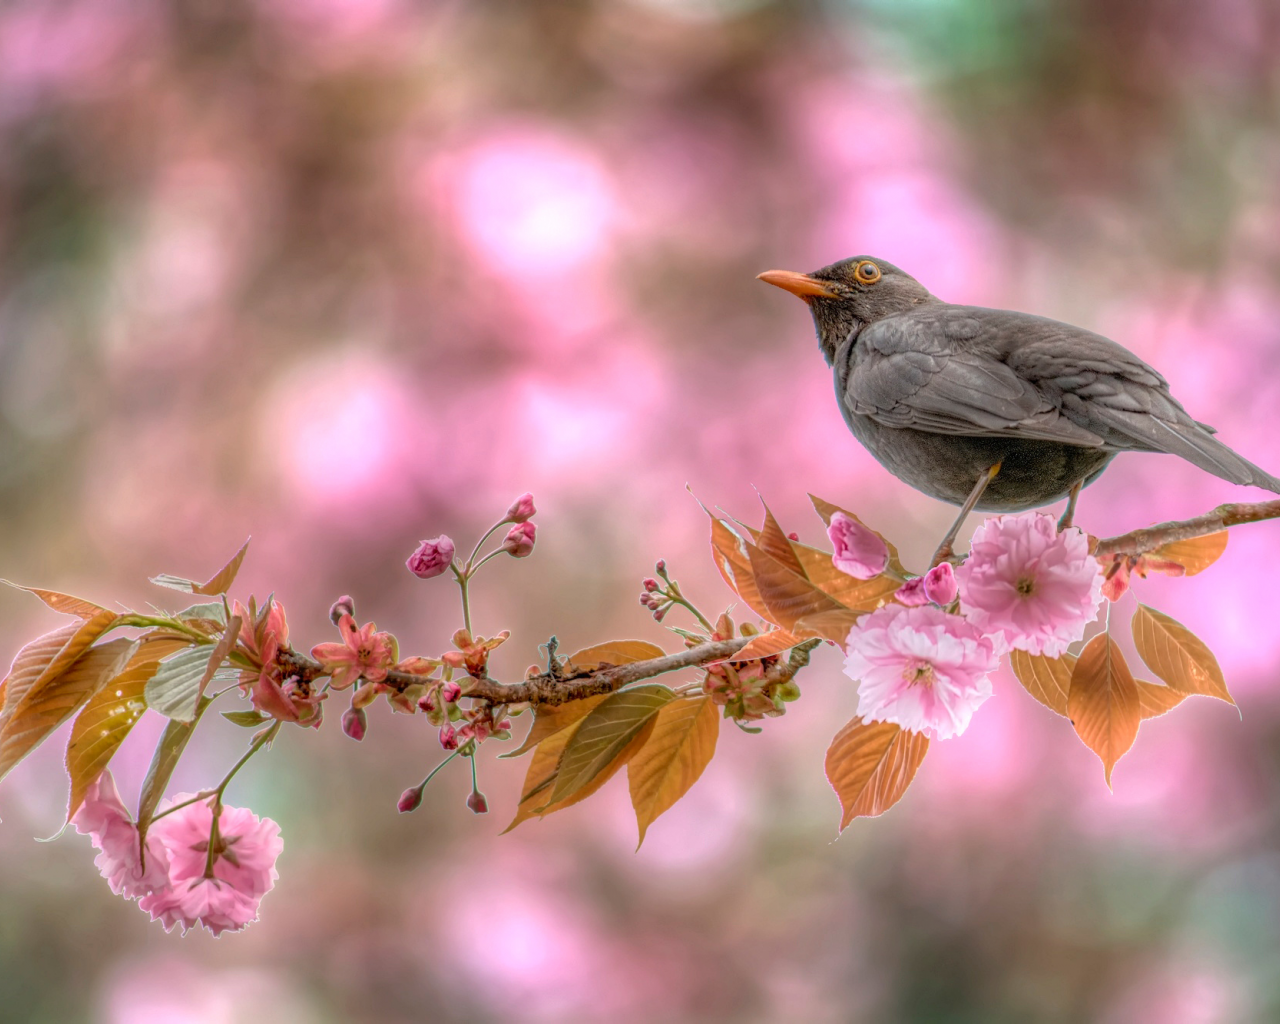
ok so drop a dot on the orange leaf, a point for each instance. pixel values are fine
(1194, 555)
(614, 652)
(549, 720)
(1154, 699)
(776, 544)
(38, 671)
(48, 705)
(788, 597)
(108, 717)
(734, 563)
(871, 764)
(64, 603)
(1177, 655)
(606, 731)
(679, 748)
(1103, 702)
(1047, 679)
(219, 584)
(774, 642)
(832, 625)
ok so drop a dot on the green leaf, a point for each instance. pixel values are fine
(175, 688)
(219, 584)
(604, 733)
(168, 751)
(214, 611)
(246, 719)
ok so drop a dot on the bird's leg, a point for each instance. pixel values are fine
(945, 552)
(1070, 513)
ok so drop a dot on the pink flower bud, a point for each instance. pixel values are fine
(519, 540)
(858, 551)
(410, 799)
(343, 606)
(660, 566)
(477, 803)
(427, 702)
(431, 558)
(448, 738)
(912, 593)
(644, 600)
(504, 725)
(522, 509)
(650, 584)
(450, 692)
(354, 723)
(940, 584)
(793, 536)
(660, 613)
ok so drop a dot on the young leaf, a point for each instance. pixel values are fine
(604, 733)
(220, 583)
(870, 765)
(777, 545)
(1103, 701)
(109, 715)
(47, 706)
(730, 555)
(773, 642)
(212, 611)
(788, 596)
(36, 672)
(246, 719)
(1194, 555)
(1177, 655)
(64, 603)
(174, 689)
(1154, 699)
(1047, 679)
(550, 719)
(833, 625)
(681, 745)
(173, 741)
(614, 652)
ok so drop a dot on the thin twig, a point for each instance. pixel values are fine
(1138, 542)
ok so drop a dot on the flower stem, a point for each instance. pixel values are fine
(432, 774)
(470, 566)
(463, 578)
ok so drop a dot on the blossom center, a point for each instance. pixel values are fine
(1026, 586)
(918, 672)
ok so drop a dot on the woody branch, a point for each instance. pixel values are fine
(1139, 542)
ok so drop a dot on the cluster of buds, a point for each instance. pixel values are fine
(661, 593)
(1120, 568)
(744, 688)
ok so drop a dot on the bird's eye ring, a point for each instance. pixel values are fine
(867, 272)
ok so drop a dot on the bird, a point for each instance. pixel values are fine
(990, 409)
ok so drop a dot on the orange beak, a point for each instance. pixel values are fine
(798, 284)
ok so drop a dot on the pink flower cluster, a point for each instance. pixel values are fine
(1024, 580)
(193, 873)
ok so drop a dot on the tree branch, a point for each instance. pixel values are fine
(1139, 542)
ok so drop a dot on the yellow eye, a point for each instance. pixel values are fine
(867, 272)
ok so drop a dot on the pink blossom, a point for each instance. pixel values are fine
(921, 668)
(363, 652)
(521, 509)
(937, 585)
(1025, 580)
(477, 803)
(105, 820)
(355, 723)
(431, 558)
(519, 540)
(410, 799)
(858, 551)
(244, 853)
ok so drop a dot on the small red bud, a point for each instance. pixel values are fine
(427, 702)
(355, 723)
(660, 614)
(343, 606)
(650, 584)
(793, 536)
(410, 799)
(521, 509)
(477, 802)
(504, 725)
(660, 566)
(450, 692)
(519, 540)
(448, 738)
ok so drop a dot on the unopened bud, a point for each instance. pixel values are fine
(660, 614)
(448, 738)
(450, 692)
(519, 540)
(477, 802)
(660, 567)
(410, 799)
(521, 509)
(793, 536)
(431, 558)
(354, 723)
(343, 606)
(427, 702)
(650, 584)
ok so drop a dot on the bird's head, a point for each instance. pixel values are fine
(848, 295)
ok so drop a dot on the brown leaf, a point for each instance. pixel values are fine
(1047, 679)
(64, 603)
(47, 705)
(36, 672)
(871, 764)
(1154, 699)
(1177, 655)
(604, 733)
(549, 720)
(219, 584)
(1194, 555)
(731, 558)
(861, 595)
(833, 625)
(1103, 701)
(773, 642)
(681, 745)
(787, 596)
(776, 544)
(614, 652)
(109, 715)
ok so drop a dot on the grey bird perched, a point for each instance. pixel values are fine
(988, 408)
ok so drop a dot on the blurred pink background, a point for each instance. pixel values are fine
(344, 274)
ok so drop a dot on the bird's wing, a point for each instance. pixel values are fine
(932, 370)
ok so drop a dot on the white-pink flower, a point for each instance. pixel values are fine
(1037, 587)
(103, 817)
(243, 867)
(857, 550)
(921, 668)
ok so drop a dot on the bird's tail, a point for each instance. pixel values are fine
(1190, 441)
